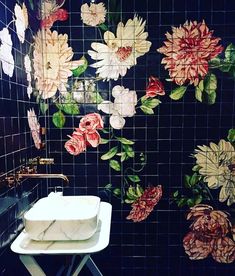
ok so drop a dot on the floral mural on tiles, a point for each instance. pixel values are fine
(192, 57)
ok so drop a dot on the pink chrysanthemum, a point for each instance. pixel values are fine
(144, 205)
(188, 50)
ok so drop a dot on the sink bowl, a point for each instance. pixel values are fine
(58, 218)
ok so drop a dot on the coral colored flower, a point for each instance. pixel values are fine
(21, 21)
(34, 128)
(86, 134)
(93, 15)
(195, 248)
(120, 52)
(208, 223)
(91, 122)
(52, 62)
(188, 50)
(144, 205)
(154, 88)
(58, 15)
(224, 250)
(76, 144)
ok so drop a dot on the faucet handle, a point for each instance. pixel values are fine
(41, 161)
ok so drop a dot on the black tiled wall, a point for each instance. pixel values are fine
(16, 145)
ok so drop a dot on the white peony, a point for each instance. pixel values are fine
(123, 106)
(21, 21)
(6, 56)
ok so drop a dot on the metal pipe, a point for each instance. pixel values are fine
(42, 175)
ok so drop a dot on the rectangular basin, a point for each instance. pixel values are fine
(60, 218)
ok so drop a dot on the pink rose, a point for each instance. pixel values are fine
(92, 138)
(91, 122)
(154, 88)
(76, 144)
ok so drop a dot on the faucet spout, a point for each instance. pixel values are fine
(43, 175)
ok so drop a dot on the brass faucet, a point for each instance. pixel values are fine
(32, 173)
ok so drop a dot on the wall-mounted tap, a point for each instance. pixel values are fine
(42, 175)
(31, 172)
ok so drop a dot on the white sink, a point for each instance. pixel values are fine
(58, 218)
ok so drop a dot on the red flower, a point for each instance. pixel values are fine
(144, 205)
(188, 50)
(60, 14)
(76, 144)
(224, 250)
(154, 88)
(195, 248)
(209, 223)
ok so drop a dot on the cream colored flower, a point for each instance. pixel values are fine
(93, 15)
(48, 7)
(52, 62)
(28, 69)
(121, 51)
(34, 128)
(123, 106)
(6, 56)
(217, 165)
(21, 21)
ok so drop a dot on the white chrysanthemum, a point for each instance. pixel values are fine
(121, 52)
(21, 21)
(34, 128)
(94, 14)
(217, 165)
(123, 106)
(6, 56)
(52, 62)
(28, 69)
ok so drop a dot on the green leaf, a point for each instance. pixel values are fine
(230, 53)
(117, 191)
(139, 190)
(187, 181)
(104, 130)
(103, 27)
(124, 156)
(131, 193)
(31, 4)
(178, 93)
(146, 109)
(210, 83)
(104, 141)
(69, 105)
(225, 66)
(198, 199)
(80, 69)
(129, 150)
(176, 193)
(134, 178)
(211, 98)
(196, 168)
(44, 107)
(181, 202)
(108, 186)
(231, 135)
(199, 90)
(150, 103)
(190, 202)
(110, 153)
(58, 119)
(194, 179)
(114, 164)
(215, 62)
(129, 201)
(125, 141)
